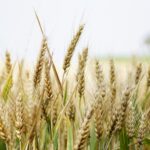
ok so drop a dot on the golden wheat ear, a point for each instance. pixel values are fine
(98, 73)
(122, 109)
(84, 131)
(98, 115)
(54, 114)
(142, 130)
(81, 73)
(3, 131)
(49, 96)
(112, 78)
(112, 72)
(79, 67)
(19, 117)
(71, 48)
(111, 124)
(72, 111)
(8, 64)
(130, 121)
(48, 84)
(138, 73)
(39, 65)
(100, 78)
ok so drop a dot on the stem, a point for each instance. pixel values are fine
(109, 142)
(36, 142)
(27, 146)
(7, 146)
(20, 145)
(97, 145)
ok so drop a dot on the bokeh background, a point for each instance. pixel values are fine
(118, 28)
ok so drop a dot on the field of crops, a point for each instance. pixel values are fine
(97, 105)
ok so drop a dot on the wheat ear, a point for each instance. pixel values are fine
(71, 48)
(39, 65)
(84, 131)
(81, 74)
(138, 73)
(8, 64)
(19, 117)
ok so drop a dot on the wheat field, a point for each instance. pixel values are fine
(97, 105)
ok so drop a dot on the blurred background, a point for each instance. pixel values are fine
(113, 28)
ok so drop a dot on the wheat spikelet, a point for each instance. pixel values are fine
(32, 115)
(31, 108)
(112, 72)
(112, 83)
(35, 116)
(112, 101)
(39, 65)
(71, 48)
(111, 124)
(81, 75)
(19, 117)
(98, 116)
(12, 110)
(138, 73)
(48, 85)
(48, 90)
(72, 112)
(100, 78)
(80, 66)
(3, 132)
(122, 109)
(85, 55)
(113, 94)
(142, 129)
(84, 131)
(44, 112)
(130, 121)
(81, 83)
(9, 126)
(8, 64)
(63, 135)
(99, 73)
(54, 114)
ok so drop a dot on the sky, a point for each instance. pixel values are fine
(112, 27)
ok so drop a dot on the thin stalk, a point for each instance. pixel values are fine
(109, 143)
(97, 144)
(20, 145)
(36, 142)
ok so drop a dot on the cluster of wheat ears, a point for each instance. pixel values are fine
(43, 111)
